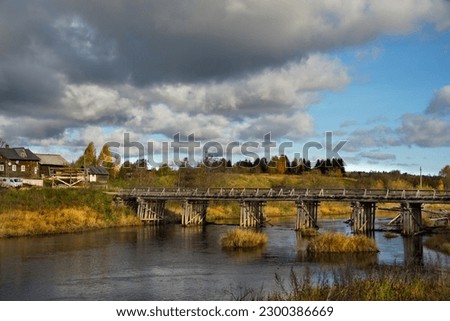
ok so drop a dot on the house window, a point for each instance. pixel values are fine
(35, 170)
(2, 167)
(22, 168)
(14, 168)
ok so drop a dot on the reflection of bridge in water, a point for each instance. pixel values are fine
(149, 204)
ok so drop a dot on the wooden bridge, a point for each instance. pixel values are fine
(149, 204)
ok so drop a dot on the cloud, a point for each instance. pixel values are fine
(440, 105)
(424, 131)
(294, 85)
(221, 69)
(371, 53)
(377, 156)
(377, 136)
(147, 42)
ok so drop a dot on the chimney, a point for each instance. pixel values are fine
(6, 146)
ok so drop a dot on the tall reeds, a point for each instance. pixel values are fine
(379, 283)
(243, 238)
(340, 243)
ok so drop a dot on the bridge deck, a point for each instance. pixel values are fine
(283, 194)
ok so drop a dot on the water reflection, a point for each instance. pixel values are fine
(413, 249)
(244, 256)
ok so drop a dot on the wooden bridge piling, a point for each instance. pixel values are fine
(307, 212)
(363, 217)
(194, 212)
(151, 210)
(252, 213)
(411, 217)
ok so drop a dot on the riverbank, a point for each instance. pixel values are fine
(42, 211)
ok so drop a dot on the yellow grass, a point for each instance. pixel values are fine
(28, 223)
(243, 238)
(340, 243)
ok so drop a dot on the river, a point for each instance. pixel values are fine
(170, 262)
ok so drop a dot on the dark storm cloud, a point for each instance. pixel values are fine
(192, 40)
(216, 65)
(148, 42)
(27, 87)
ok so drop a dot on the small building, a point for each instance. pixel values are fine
(98, 175)
(19, 162)
(50, 163)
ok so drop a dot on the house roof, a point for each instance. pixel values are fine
(19, 153)
(97, 170)
(52, 160)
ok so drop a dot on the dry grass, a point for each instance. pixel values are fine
(243, 238)
(66, 220)
(334, 210)
(38, 211)
(379, 283)
(340, 243)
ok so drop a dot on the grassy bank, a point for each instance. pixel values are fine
(41, 211)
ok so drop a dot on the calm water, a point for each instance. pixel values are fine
(168, 263)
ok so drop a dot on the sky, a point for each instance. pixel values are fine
(374, 75)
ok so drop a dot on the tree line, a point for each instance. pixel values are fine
(185, 171)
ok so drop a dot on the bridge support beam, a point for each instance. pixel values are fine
(252, 214)
(151, 210)
(411, 214)
(306, 215)
(194, 212)
(363, 217)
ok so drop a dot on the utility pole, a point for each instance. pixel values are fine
(420, 182)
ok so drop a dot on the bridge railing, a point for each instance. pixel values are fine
(288, 193)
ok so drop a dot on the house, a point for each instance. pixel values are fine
(49, 163)
(98, 174)
(19, 162)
